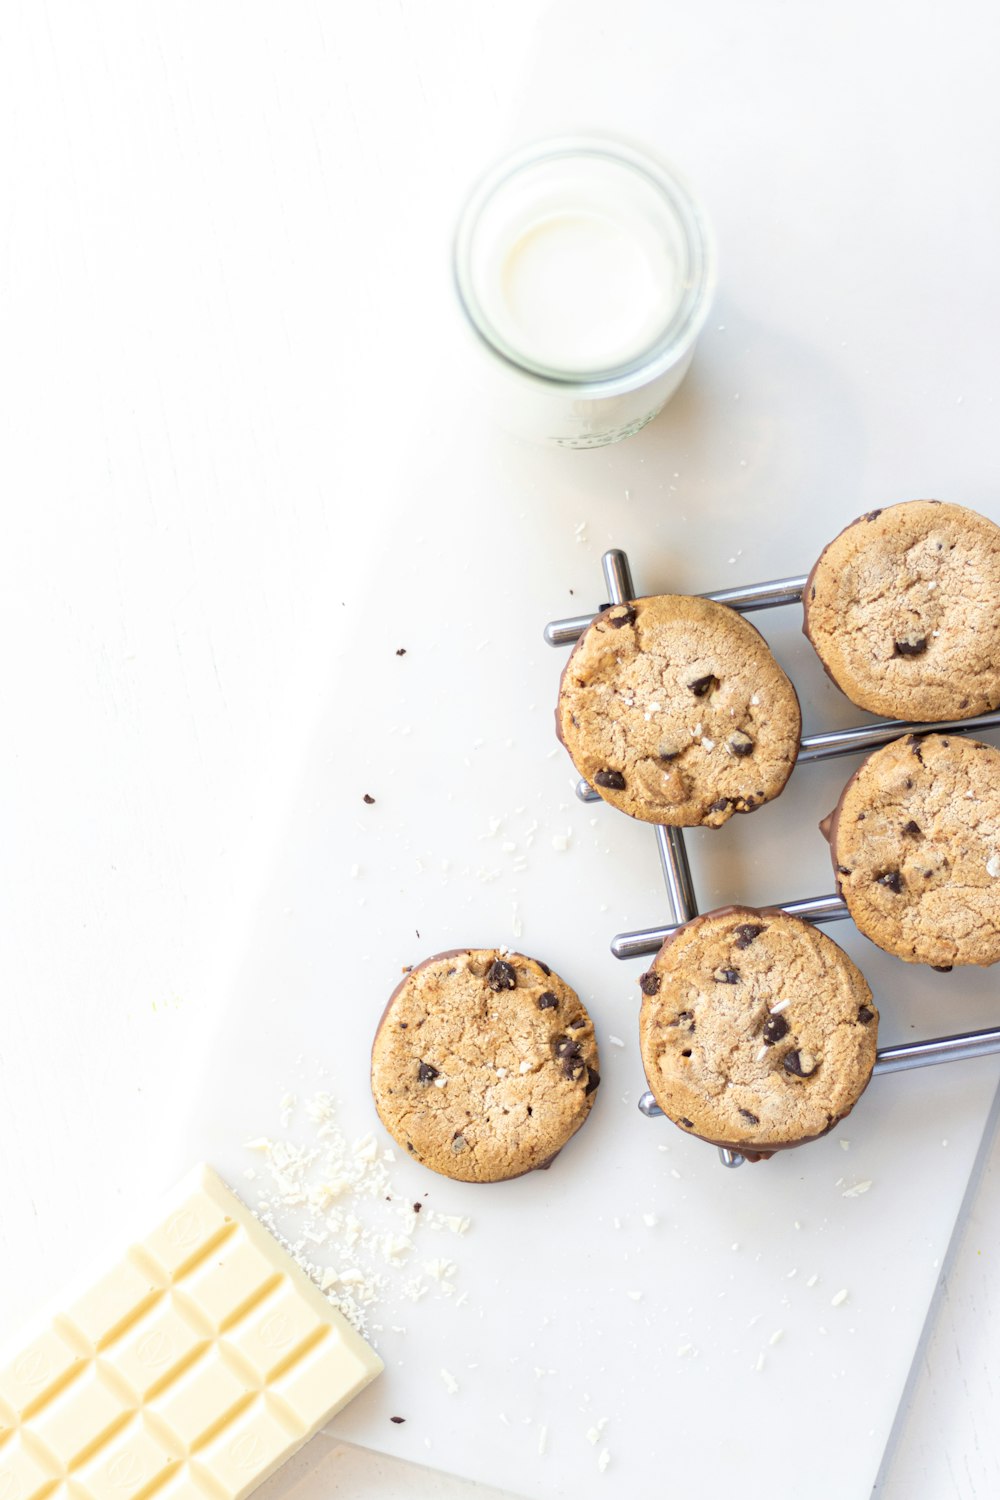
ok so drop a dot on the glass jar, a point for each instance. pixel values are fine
(585, 269)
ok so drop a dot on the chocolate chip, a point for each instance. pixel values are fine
(913, 645)
(650, 982)
(913, 829)
(667, 753)
(914, 744)
(746, 933)
(400, 651)
(843, 870)
(544, 967)
(569, 1054)
(613, 780)
(943, 968)
(892, 880)
(403, 1025)
(871, 515)
(548, 1001)
(748, 1115)
(801, 1064)
(775, 1027)
(426, 1073)
(909, 783)
(593, 1079)
(458, 1142)
(720, 805)
(812, 592)
(688, 1123)
(726, 976)
(397, 1419)
(576, 1025)
(702, 686)
(865, 1015)
(501, 976)
(624, 615)
(686, 1052)
(741, 744)
(370, 800)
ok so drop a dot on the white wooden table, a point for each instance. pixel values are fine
(182, 449)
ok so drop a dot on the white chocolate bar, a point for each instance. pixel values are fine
(195, 1366)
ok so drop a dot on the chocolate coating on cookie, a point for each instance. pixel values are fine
(771, 1060)
(675, 711)
(915, 844)
(901, 608)
(484, 1064)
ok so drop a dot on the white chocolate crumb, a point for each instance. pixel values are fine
(845, 1145)
(525, 1066)
(603, 1459)
(993, 865)
(674, 1173)
(355, 871)
(762, 1054)
(776, 1337)
(543, 1438)
(635, 1296)
(616, 1041)
(812, 1279)
(560, 842)
(502, 1417)
(839, 1297)
(755, 700)
(594, 1433)
(450, 1383)
(777, 1009)
(685, 1349)
(857, 1189)
(761, 1361)
(650, 1221)
(707, 744)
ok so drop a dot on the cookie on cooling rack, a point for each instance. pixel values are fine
(484, 1064)
(915, 841)
(757, 1032)
(902, 611)
(675, 711)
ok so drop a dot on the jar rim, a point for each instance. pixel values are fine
(687, 318)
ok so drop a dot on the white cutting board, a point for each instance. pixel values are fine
(814, 397)
(475, 551)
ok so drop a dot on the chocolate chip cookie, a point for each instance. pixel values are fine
(484, 1064)
(915, 840)
(757, 1032)
(675, 711)
(902, 610)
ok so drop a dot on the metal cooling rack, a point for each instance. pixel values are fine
(673, 853)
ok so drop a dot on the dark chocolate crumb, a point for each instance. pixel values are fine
(400, 651)
(397, 1419)
(775, 1027)
(892, 880)
(871, 515)
(501, 976)
(548, 1001)
(368, 798)
(688, 1123)
(614, 781)
(812, 592)
(747, 932)
(417, 1207)
(720, 804)
(686, 1052)
(650, 982)
(913, 829)
(913, 645)
(865, 1015)
(943, 968)
(576, 1025)
(593, 1079)
(667, 754)
(702, 686)
(426, 1073)
(749, 1115)
(843, 870)
(914, 744)
(726, 976)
